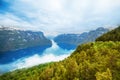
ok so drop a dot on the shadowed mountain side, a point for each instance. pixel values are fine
(71, 41)
(13, 39)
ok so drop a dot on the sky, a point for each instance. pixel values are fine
(59, 16)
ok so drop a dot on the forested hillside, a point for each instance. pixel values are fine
(91, 61)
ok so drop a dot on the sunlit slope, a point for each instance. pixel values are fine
(98, 60)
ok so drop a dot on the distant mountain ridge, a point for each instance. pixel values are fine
(14, 39)
(72, 40)
(113, 35)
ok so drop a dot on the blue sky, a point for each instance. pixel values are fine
(60, 16)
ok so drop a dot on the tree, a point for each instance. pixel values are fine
(104, 75)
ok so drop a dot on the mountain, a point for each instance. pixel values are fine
(91, 61)
(70, 41)
(14, 39)
(113, 35)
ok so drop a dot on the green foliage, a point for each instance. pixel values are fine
(91, 61)
(113, 35)
(104, 75)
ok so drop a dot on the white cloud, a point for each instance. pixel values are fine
(105, 6)
(60, 16)
(10, 19)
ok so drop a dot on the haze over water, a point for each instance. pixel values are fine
(54, 53)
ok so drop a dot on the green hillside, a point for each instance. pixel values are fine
(113, 35)
(92, 61)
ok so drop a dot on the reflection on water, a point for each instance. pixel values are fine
(11, 56)
(31, 56)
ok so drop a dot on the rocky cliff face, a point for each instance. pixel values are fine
(70, 41)
(12, 39)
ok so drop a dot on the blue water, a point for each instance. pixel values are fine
(29, 57)
(10, 56)
(67, 46)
